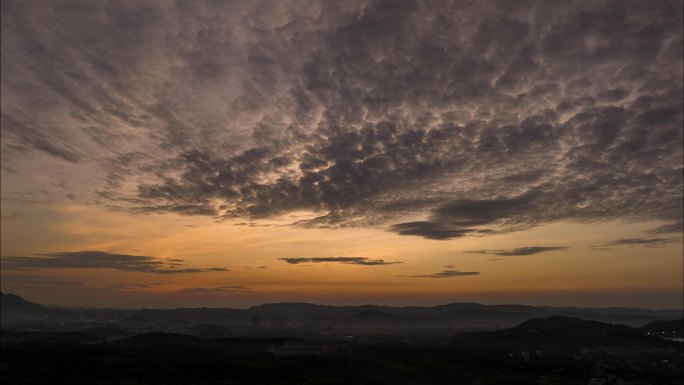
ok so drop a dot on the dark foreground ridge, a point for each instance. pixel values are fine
(311, 344)
(556, 334)
(552, 350)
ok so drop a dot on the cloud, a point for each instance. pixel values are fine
(674, 227)
(128, 286)
(465, 217)
(97, 260)
(346, 260)
(446, 274)
(30, 135)
(520, 251)
(648, 242)
(194, 290)
(216, 269)
(368, 113)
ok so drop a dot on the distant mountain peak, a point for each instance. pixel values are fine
(12, 303)
(558, 322)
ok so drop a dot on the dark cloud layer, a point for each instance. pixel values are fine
(648, 242)
(98, 260)
(128, 287)
(39, 280)
(669, 228)
(460, 218)
(520, 251)
(346, 260)
(447, 274)
(438, 119)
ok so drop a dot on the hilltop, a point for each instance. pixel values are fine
(471, 316)
(13, 303)
(555, 334)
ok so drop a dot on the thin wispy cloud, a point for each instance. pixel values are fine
(647, 242)
(344, 260)
(531, 250)
(669, 228)
(447, 274)
(129, 287)
(98, 260)
(39, 280)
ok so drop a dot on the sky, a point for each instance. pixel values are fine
(232, 153)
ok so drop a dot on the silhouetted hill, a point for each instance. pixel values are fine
(473, 316)
(676, 325)
(566, 324)
(499, 308)
(292, 306)
(12, 303)
(486, 314)
(555, 334)
(466, 311)
(615, 311)
(378, 317)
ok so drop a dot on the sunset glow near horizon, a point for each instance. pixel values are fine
(168, 154)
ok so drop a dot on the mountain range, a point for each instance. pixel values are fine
(14, 308)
